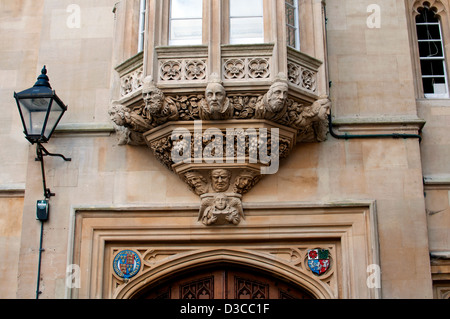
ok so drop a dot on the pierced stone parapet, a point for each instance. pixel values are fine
(302, 71)
(247, 62)
(131, 74)
(182, 70)
(246, 68)
(185, 64)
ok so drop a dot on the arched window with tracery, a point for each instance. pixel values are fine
(429, 30)
(431, 53)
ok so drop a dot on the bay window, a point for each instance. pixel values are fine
(247, 43)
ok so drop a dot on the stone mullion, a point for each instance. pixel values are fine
(214, 36)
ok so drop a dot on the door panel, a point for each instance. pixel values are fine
(225, 283)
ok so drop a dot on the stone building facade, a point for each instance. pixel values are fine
(298, 149)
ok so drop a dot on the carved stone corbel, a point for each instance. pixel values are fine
(262, 128)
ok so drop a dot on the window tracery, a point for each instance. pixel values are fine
(428, 29)
(431, 53)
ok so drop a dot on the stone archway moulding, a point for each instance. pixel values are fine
(274, 237)
(239, 257)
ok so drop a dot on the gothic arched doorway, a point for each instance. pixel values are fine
(224, 282)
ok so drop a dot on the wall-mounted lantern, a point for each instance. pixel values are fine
(40, 111)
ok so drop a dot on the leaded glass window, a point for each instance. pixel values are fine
(246, 21)
(185, 22)
(432, 57)
(292, 31)
(142, 9)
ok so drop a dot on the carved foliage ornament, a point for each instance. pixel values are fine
(219, 184)
(275, 106)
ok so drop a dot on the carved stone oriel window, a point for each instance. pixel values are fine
(170, 61)
(269, 95)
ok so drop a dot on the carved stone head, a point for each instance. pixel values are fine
(217, 106)
(117, 114)
(277, 94)
(220, 179)
(220, 201)
(196, 182)
(215, 96)
(153, 96)
(245, 181)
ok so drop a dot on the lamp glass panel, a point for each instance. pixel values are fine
(34, 112)
(53, 118)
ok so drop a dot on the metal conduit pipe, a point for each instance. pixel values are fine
(347, 136)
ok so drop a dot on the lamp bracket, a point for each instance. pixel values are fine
(40, 153)
(43, 152)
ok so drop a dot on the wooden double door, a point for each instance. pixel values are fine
(225, 282)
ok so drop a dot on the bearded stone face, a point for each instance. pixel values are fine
(197, 182)
(153, 99)
(215, 96)
(277, 96)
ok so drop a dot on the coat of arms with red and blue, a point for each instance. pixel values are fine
(318, 260)
(126, 264)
